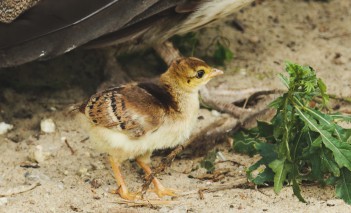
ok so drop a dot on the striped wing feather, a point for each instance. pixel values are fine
(129, 109)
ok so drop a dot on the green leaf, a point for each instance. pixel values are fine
(329, 163)
(222, 54)
(208, 161)
(323, 90)
(323, 118)
(297, 191)
(317, 142)
(343, 185)
(266, 175)
(186, 43)
(265, 130)
(346, 136)
(331, 181)
(340, 117)
(262, 176)
(316, 167)
(280, 169)
(284, 79)
(278, 126)
(342, 151)
(277, 103)
(244, 143)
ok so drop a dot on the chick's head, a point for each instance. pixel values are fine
(191, 73)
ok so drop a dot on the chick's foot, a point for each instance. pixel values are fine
(159, 189)
(125, 194)
(162, 191)
(122, 188)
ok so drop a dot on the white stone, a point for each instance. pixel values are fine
(53, 108)
(3, 201)
(47, 125)
(38, 154)
(83, 171)
(215, 113)
(4, 128)
(220, 156)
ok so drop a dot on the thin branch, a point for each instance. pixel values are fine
(238, 183)
(69, 146)
(18, 189)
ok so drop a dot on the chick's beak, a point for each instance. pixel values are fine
(215, 72)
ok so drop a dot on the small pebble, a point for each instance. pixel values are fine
(241, 169)
(36, 176)
(3, 201)
(254, 39)
(220, 156)
(97, 165)
(60, 185)
(164, 209)
(4, 128)
(215, 113)
(242, 71)
(47, 125)
(230, 141)
(53, 108)
(83, 171)
(38, 154)
(218, 195)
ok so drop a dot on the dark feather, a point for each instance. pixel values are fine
(161, 94)
(54, 27)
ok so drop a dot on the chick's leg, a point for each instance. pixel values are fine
(122, 188)
(160, 190)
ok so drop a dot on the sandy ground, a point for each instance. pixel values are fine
(305, 32)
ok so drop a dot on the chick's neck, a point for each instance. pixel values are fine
(180, 92)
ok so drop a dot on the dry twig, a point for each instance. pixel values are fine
(18, 189)
(28, 164)
(69, 146)
(238, 183)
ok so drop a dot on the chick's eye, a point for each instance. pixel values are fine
(200, 74)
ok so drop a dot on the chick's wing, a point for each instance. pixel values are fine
(130, 109)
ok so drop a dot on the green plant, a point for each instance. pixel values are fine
(222, 54)
(300, 143)
(209, 161)
(188, 43)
